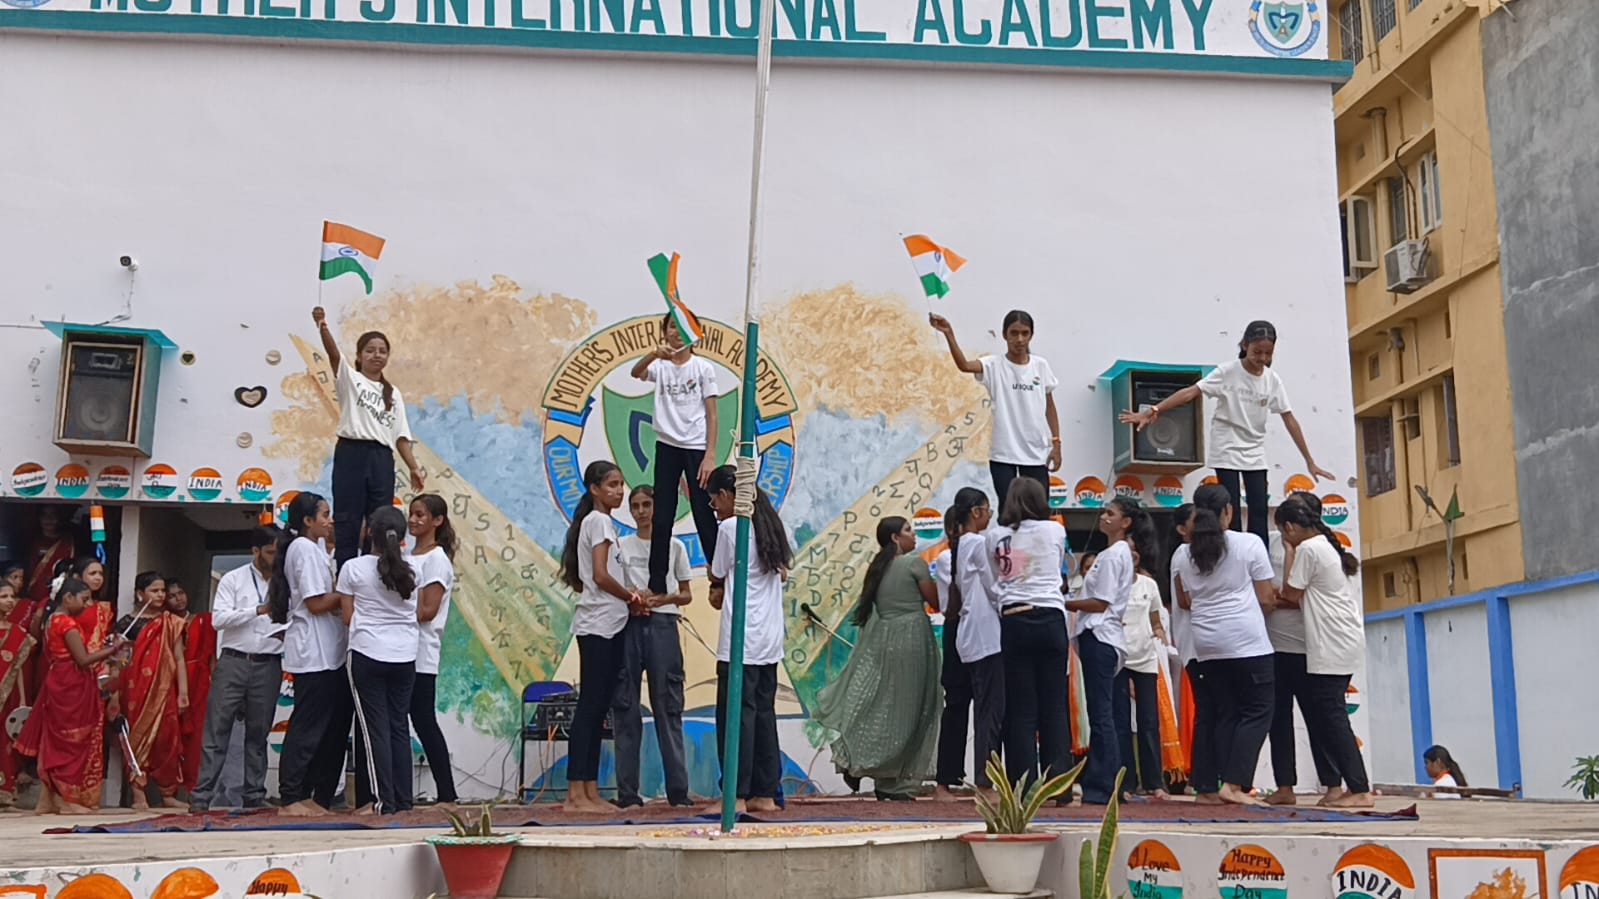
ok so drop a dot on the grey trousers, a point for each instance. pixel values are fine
(650, 645)
(246, 687)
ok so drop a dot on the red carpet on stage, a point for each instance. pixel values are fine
(798, 811)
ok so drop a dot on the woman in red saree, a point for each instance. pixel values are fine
(155, 692)
(16, 650)
(69, 716)
(200, 654)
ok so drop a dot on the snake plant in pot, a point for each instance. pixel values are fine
(474, 857)
(1009, 853)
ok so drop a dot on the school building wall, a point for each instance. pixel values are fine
(521, 193)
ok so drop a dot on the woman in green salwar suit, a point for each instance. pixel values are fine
(885, 704)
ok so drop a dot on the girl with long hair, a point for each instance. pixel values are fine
(311, 767)
(758, 780)
(155, 693)
(1224, 580)
(885, 704)
(16, 653)
(1027, 552)
(372, 428)
(377, 593)
(1319, 582)
(1021, 387)
(976, 646)
(62, 734)
(588, 566)
(1101, 643)
(434, 557)
(1182, 640)
(1444, 771)
(1247, 392)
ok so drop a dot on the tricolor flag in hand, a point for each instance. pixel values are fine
(934, 264)
(665, 272)
(346, 250)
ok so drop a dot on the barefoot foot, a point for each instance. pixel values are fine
(1353, 800)
(1209, 799)
(1234, 795)
(1282, 796)
(72, 808)
(1332, 795)
(763, 805)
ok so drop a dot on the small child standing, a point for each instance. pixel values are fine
(685, 443)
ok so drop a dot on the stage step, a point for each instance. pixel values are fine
(971, 894)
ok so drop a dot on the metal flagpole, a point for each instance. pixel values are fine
(745, 504)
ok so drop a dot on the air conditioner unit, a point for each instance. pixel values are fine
(1406, 264)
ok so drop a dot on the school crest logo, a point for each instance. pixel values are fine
(593, 409)
(1285, 29)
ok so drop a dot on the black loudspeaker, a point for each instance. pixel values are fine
(107, 395)
(1174, 436)
(1173, 443)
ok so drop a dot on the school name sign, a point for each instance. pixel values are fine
(889, 29)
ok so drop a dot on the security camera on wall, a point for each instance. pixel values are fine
(129, 263)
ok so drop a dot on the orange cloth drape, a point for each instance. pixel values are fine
(1077, 700)
(150, 701)
(1173, 758)
(1185, 725)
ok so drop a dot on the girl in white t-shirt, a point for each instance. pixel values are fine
(1246, 392)
(372, 428)
(1224, 580)
(311, 767)
(378, 595)
(1138, 684)
(1319, 581)
(973, 676)
(1021, 386)
(434, 557)
(758, 781)
(1444, 771)
(603, 607)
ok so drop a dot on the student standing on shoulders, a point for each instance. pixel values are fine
(249, 671)
(650, 645)
(1021, 387)
(434, 558)
(372, 427)
(685, 444)
(1247, 393)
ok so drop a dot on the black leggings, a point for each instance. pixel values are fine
(363, 482)
(1292, 684)
(673, 466)
(1254, 483)
(1328, 723)
(425, 721)
(1006, 472)
(383, 740)
(599, 672)
(956, 680)
(1037, 722)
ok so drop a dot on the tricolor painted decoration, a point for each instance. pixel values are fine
(665, 271)
(1370, 871)
(1153, 872)
(205, 484)
(1168, 491)
(1251, 870)
(29, 479)
(72, 480)
(934, 264)
(255, 485)
(928, 524)
(1579, 879)
(160, 481)
(113, 482)
(1090, 492)
(347, 250)
(1059, 494)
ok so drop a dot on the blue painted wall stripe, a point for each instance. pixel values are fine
(1330, 70)
(1420, 692)
(1502, 674)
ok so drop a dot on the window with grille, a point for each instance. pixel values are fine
(1377, 446)
(1451, 418)
(1431, 195)
(1383, 17)
(1349, 30)
(1398, 214)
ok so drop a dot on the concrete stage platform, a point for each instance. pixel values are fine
(1457, 850)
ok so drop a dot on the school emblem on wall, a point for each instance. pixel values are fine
(1285, 29)
(594, 410)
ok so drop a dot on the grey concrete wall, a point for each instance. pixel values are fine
(1541, 68)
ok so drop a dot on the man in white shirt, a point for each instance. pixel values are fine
(248, 674)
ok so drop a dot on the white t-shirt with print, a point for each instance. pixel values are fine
(1285, 625)
(1335, 632)
(362, 415)
(978, 636)
(1225, 618)
(433, 567)
(312, 642)
(1110, 579)
(1243, 405)
(1145, 654)
(1019, 394)
(680, 395)
(598, 614)
(384, 627)
(763, 602)
(633, 554)
(1027, 562)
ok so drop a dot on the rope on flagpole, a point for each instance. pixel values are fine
(744, 498)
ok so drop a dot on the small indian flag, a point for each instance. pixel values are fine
(665, 272)
(934, 264)
(346, 250)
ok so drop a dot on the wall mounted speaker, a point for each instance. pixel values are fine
(1174, 443)
(107, 395)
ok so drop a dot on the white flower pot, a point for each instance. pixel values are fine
(1010, 862)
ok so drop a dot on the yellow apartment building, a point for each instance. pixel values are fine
(1424, 299)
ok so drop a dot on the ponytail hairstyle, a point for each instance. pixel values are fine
(887, 529)
(966, 500)
(766, 528)
(386, 526)
(593, 476)
(72, 587)
(1294, 510)
(1256, 330)
(360, 344)
(444, 534)
(302, 507)
(1141, 532)
(1441, 756)
(1208, 544)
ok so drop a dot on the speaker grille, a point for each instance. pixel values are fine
(102, 380)
(1172, 437)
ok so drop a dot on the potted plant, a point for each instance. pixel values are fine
(1585, 777)
(474, 857)
(1093, 865)
(1009, 853)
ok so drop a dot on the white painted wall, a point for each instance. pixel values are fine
(1462, 690)
(1552, 632)
(1388, 674)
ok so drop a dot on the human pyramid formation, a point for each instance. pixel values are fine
(1023, 642)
